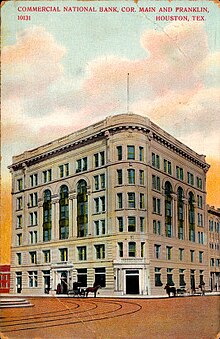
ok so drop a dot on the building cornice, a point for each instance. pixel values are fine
(103, 130)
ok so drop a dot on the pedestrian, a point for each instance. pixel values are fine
(58, 288)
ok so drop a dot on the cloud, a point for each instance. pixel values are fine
(31, 65)
(170, 85)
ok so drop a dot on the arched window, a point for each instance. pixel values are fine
(47, 216)
(64, 212)
(191, 201)
(180, 213)
(168, 209)
(82, 209)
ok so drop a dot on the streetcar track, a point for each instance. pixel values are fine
(103, 315)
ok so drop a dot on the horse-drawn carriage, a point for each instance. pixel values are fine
(78, 291)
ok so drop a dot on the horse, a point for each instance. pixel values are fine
(170, 289)
(92, 290)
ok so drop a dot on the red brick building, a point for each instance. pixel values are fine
(4, 278)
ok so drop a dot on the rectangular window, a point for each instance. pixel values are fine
(167, 167)
(19, 239)
(119, 176)
(19, 203)
(192, 255)
(46, 255)
(200, 237)
(82, 276)
(200, 219)
(131, 152)
(32, 276)
(131, 224)
(120, 249)
(47, 175)
(102, 200)
(120, 224)
(157, 227)
(102, 181)
(190, 178)
(33, 257)
(156, 182)
(64, 170)
(142, 224)
(131, 176)
(158, 277)
(179, 173)
(199, 201)
(157, 251)
(100, 276)
(141, 177)
(142, 249)
(141, 200)
(132, 249)
(181, 252)
(33, 237)
(141, 153)
(102, 158)
(119, 152)
(200, 257)
(96, 182)
(100, 251)
(131, 200)
(19, 261)
(156, 205)
(96, 160)
(96, 205)
(168, 252)
(19, 221)
(33, 218)
(99, 227)
(33, 180)
(20, 184)
(81, 165)
(63, 254)
(33, 200)
(199, 182)
(155, 160)
(96, 226)
(119, 200)
(82, 253)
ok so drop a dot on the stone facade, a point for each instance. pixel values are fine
(213, 247)
(120, 203)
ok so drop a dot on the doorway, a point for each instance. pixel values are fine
(132, 282)
(64, 286)
(19, 282)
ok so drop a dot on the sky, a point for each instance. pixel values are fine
(64, 71)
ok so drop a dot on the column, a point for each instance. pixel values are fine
(186, 217)
(55, 218)
(73, 215)
(90, 226)
(40, 220)
(174, 216)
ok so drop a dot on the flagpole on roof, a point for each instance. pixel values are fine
(128, 93)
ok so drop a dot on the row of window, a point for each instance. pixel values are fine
(99, 277)
(214, 262)
(214, 246)
(214, 226)
(168, 168)
(181, 283)
(100, 253)
(169, 253)
(99, 160)
(64, 171)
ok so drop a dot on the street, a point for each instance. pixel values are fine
(194, 317)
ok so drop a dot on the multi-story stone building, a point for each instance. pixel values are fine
(121, 203)
(213, 247)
